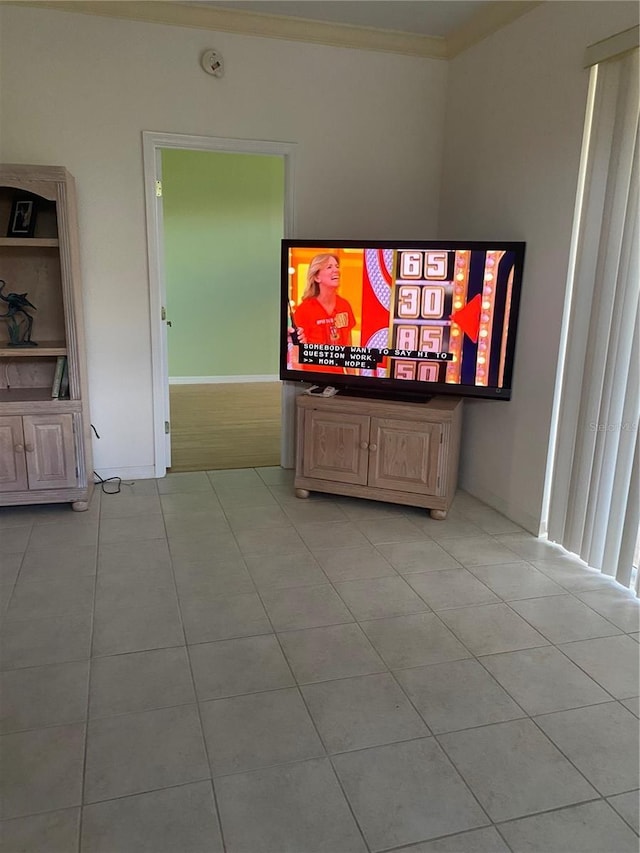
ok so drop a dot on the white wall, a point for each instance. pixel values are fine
(78, 90)
(516, 106)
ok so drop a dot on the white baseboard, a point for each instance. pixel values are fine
(146, 472)
(211, 380)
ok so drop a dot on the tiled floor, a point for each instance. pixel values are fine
(206, 663)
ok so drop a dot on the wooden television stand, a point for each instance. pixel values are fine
(403, 453)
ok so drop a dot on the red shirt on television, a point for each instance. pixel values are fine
(323, 328)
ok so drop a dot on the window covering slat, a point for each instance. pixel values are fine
(594, 496)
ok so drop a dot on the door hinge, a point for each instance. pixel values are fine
(158, 189)
(163, 313)
(441, 437)
(166, 427)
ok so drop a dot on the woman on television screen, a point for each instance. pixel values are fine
(324, 317)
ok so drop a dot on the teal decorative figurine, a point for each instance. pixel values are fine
(19, 326)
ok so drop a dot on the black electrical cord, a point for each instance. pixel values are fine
(103, 483)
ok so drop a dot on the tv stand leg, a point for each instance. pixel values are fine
(302, 493)
(438, 514)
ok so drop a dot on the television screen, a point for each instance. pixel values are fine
(401, 319)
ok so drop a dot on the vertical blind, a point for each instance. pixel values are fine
(595, 488)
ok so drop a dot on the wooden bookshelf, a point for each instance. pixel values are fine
(30, 242)
(45, 441)
(43, 350)
(26, 395)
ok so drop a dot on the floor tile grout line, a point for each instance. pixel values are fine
(532, 719)
(296, 683)
(541, 713)
(98, 717)
(621, 816)
(561, 595)
(499, 824)
(525, 715)
(456, 770)
(392, 672)
(356, 620)
(503, 838)
(349, 805)
(566, 757)
(520, 616)
(48, 663)
(407, 848)
(216, 805)
(329, 582)
(96, 495)
(126, 796)
(141, 792)
(494, 822)
(550, 642)
(582, 669)
(327, 756)
(5, 613)
(598, 799)
(332, 755)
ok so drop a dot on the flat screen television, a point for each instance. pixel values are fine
(401, 319)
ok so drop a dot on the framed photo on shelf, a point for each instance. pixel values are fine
(22, 221)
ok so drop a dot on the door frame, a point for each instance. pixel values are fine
(152, 144)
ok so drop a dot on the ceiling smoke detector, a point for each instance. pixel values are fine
(212, 63)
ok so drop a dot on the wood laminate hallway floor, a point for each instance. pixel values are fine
(226, 425)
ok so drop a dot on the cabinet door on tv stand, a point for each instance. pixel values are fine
(336, 446)
(405, 456)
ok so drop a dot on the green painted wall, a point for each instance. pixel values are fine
(223, 222)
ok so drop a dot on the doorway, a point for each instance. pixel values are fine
(216, 212)
(222, 227)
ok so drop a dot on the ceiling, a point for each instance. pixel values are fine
(438, 29)
(437, 18)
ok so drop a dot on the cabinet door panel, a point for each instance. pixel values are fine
(50, 446)
(13, 467)
(335, 447)
(406, 456)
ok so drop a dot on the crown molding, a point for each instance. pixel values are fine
(487, 21)
(179, 14)
(253, 24)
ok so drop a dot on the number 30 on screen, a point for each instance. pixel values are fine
(416, 300)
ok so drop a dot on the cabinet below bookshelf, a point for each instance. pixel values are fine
(41, 452)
